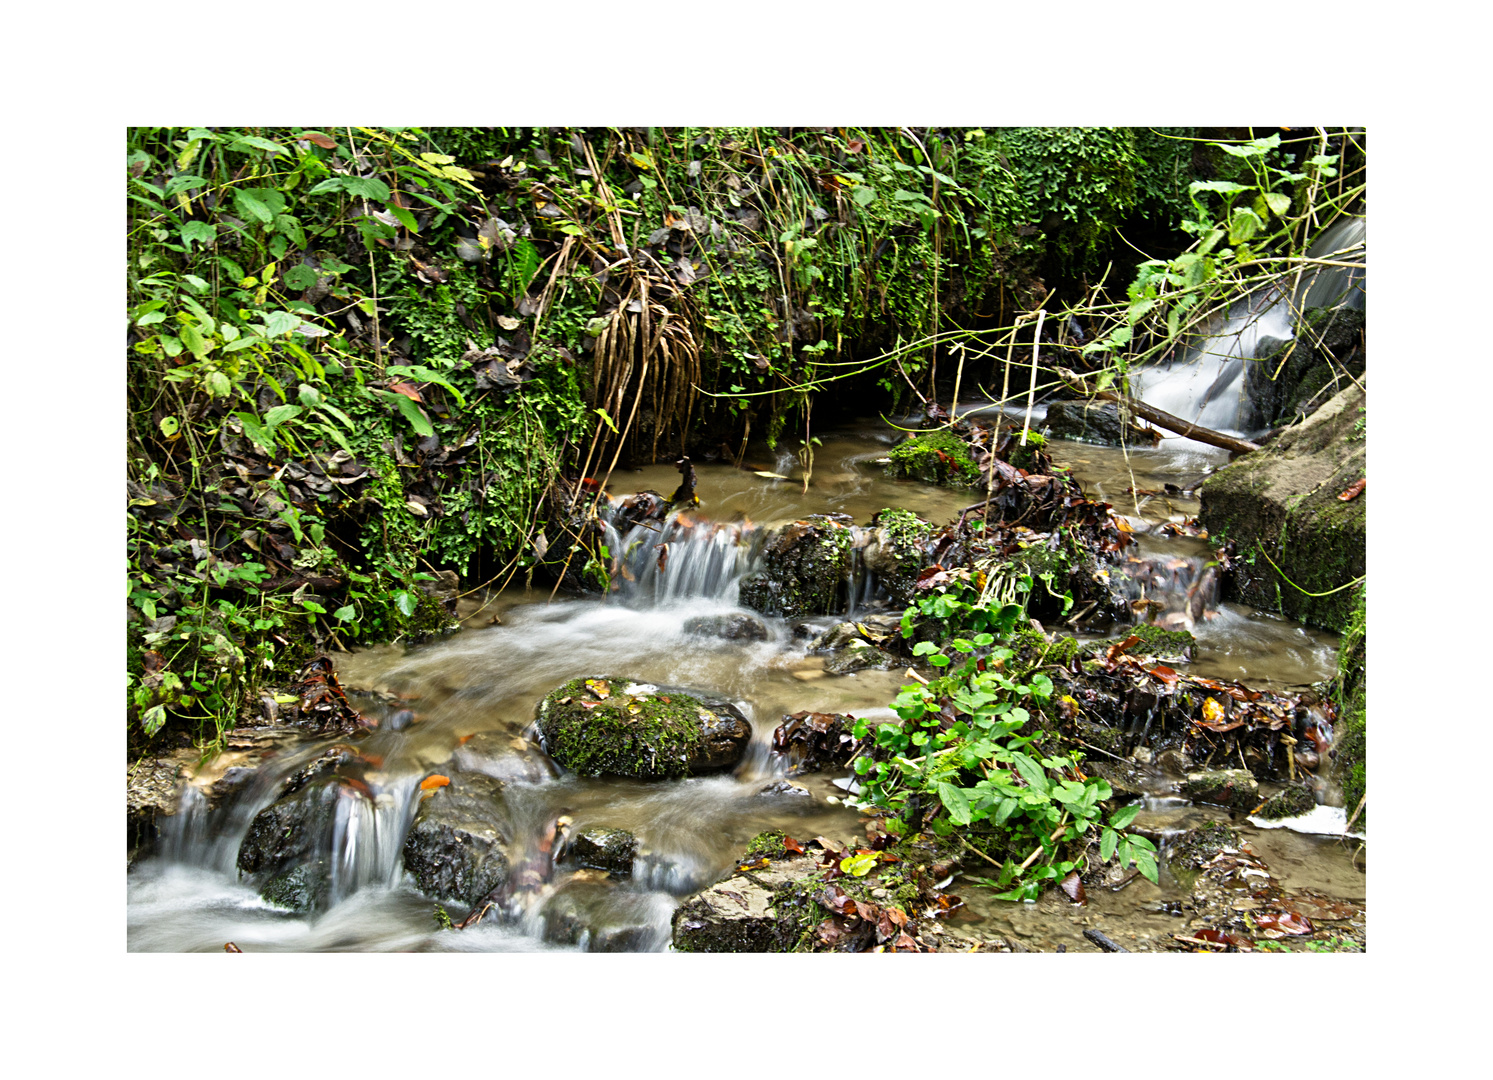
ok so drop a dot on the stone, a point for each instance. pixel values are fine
(935, 457)
(618, 726)
(457, 847)
(805, 569)
(1097, 422)
(1291, 534)
(858, 656)
(611, 850)
(894, 551)
(1291, 801)
(1234, 788)
(739, 914)
(302, 889)
(1287, 383)
(736, 627)
(295, 829)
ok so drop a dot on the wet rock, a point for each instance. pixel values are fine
(599, 916)
(611, 850)
(621, 727)
(784, 788)
(1234, 788)
(734, 627)
(837, 636)
(1292, 801)
(294, 830)
(1282, 501)
(806, 569)
(1127, 780)
(152, 791)
(739, 914)
(457, 848)
(1095, 422)
(1287, 383)
(858, 656)
(302, 889)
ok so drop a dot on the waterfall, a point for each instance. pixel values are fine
(1207, 383)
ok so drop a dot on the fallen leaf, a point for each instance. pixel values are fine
(1072, 885)
(407, 390)
(1354, 490)
(326, 142)
(430, 783)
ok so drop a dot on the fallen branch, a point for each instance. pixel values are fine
(1104, 942)
(1161, 419)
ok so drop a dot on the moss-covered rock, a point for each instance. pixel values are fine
(293, 830)
(1350, 688)
(732, 627)
(457, 847)
(1296, 543)
(1197, 846)
(302, 889)
(1291, 801)
(741, 914)
(936, 457)
(805, 569)
(1234, 788)
(1287, 383)
(623, 727)
(895, 550)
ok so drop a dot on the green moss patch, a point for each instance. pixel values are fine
(939, 457)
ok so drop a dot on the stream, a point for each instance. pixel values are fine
(474, 694)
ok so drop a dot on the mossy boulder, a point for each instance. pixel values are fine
(302, 889)
(805, 569)
(936, 457)
(743, 913)
(1350, 688)
(294, 830)
(1291, 801)
(616, 726)
(894, 550)
(1296, 543)
(457, 847)
(1196, 847)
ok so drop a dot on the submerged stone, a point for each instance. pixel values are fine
(302, 889)
(621, 727)
(731, 627)
(457, 848)
(612, 850)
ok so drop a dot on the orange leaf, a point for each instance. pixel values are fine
(407, 390)
(1354, 490)
(324, 141)
(430, 783)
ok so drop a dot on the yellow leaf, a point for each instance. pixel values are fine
(1212, 711)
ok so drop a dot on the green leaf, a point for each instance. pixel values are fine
(1244, 224)
(279, 414)
(278, 323)
(864, 195)
(194, 342)
(411, 412)
(1122, 817)
(300, 277)
(405, 218)
(312, 605)
(256, 431)
(405, 601)
(1107, 842)
(1146, 863)
(250, 205)
(368, 187)
(152, 719)
(956, 801)
(218, 384)
(859, 865)
(345, 614)
(1279, 204)
(198, 232)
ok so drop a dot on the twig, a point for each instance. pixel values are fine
(980, 853)
(1354, 818)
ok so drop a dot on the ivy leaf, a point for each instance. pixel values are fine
(405, 601)
(1279, 204)
(1244, 224)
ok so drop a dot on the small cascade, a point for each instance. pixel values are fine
(368, 833)
(683, 557)
(185, 834)
(1207, 383)
(1173, 591)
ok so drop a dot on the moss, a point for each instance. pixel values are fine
(1154, 641)
(1024, 457)
(1291, 802)
(622, 734)
(938, 457)
(1350, 690)
(1197, 846)
(767, 845)
(807, 570)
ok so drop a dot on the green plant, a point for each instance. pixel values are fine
(977, 757)
(1334, 944)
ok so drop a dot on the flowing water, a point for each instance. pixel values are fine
(473, 696)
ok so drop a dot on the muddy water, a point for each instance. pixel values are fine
(489, 677)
